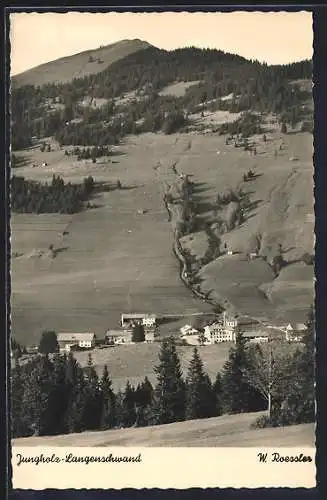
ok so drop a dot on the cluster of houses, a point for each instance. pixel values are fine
(124, 335)
(225, 329)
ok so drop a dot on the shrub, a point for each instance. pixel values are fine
(261, 422)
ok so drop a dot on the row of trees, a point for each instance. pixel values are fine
(59, 396)
(58, 197)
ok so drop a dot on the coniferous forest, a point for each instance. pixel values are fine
(58, 396)
(254, 86)
(58, 197)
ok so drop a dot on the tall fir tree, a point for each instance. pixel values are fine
(108, 417)
(299, 403)
(18, 424)
(128, 415)
(237, 395)
(76, 396)
(217, 390)
(37, 393)
(58, 399)
(169, 404)
(199, 395)
(92, 402)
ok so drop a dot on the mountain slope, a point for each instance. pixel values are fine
(79, 65)
(228, 430)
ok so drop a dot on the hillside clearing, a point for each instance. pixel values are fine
(178, 89)
(228, 430)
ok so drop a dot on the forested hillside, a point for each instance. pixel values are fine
(128, 92)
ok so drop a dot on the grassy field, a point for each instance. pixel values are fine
(134, 362)
(115, 259)
(178, 89)
(78, 65)
(229, 430)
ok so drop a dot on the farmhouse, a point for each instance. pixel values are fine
(68, 340)
(118, 337)
(148, 320)
(295, 332)
(256, 335)
(188, 330)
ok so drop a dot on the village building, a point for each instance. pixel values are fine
(256, 336)
(149, 336)
(118, 337)
(295, 332)
(188, 330)
(217, 333)
(82, 340)
(147, 320)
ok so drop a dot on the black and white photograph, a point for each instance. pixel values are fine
(162, 232)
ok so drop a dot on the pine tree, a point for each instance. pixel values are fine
(144, 401)
(76, 396)
(92, 403)
(198, 390)
(237, 395)
(17, 408)
(37, 391)
(217, 390)
(48, 343)
(58, 400)
(128, 416)
(138, 334)
(169, 405)
(108, 418)
(299, 404)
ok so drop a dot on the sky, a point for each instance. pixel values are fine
(273, 37)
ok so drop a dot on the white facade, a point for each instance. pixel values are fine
(149, 336)
(294, 333)
(118, 337)
(188, 330)
(229, 321)
(85, 343)
(149, 321)
(217, 333)
(68, 340)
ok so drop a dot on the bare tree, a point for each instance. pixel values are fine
(267, 370)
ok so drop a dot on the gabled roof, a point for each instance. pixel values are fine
(138, 315)
(118, 333)
(75, 337)
(255, 333)
(299, 327)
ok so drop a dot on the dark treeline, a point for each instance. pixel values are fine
(58, 396)
(254, 86)
(58, 197)
(89, 153)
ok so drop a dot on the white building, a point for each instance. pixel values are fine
(118, 337)
(256, 336)
(149, 336)
(148, 320)
(229, 321)
(68, 340)
(295, 332)
(189, 330)
(217, 333)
